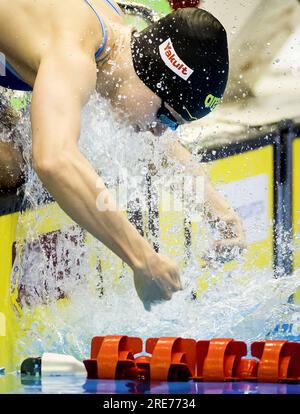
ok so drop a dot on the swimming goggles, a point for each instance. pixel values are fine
(166, 118)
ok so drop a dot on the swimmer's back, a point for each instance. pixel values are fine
(28, 28)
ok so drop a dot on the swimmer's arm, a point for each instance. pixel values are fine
(63, 84)
(214, 204)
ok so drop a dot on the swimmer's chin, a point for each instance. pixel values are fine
(149, 305)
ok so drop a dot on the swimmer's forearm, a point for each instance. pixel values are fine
(80, 192)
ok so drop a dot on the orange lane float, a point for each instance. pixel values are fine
(180, 359)
(218, 359)
(112, 357)
(173, 359)
(181, 4)
(279, 361)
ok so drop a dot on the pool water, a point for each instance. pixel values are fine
(244, 303)
(13, 384)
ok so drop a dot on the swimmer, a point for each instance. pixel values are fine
(173, 72)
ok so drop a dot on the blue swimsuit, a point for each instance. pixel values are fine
(12, 80)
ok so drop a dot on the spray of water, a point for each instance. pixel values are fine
(99, 297)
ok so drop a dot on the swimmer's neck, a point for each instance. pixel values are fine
(118, 66)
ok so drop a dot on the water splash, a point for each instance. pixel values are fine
(247, 312)
(244, 303)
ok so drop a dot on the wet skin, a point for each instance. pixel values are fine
(51, 44)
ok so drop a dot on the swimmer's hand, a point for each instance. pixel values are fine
(156, 280)
(230, 228)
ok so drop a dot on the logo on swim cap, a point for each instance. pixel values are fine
(211, 102)
(173, 61)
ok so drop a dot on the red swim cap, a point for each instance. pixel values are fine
(181, 4)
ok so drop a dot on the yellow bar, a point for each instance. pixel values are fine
(8, 225)
(296, 201)
(238, 173)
